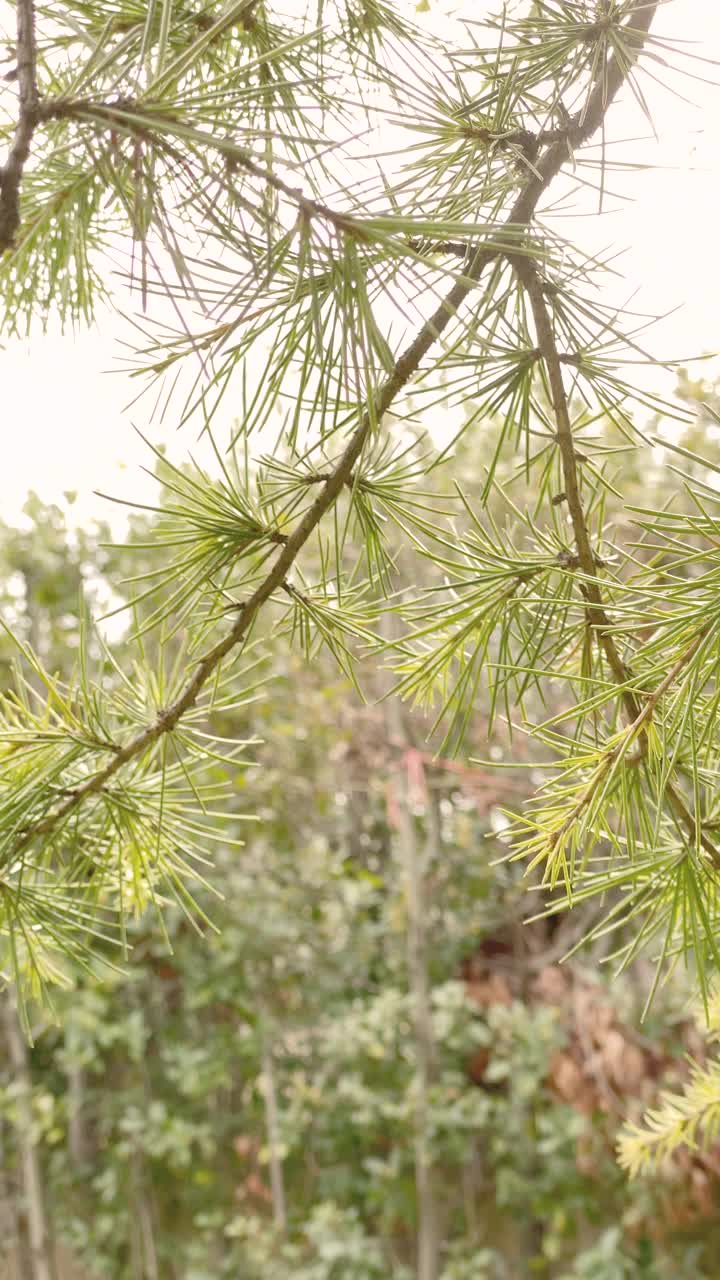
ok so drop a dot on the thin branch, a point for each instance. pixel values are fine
(136, 117)
(448, 248)
(639, 724)
(638, 713)
(559, 143)
(598, 619)
(548, 166)
(28, 117)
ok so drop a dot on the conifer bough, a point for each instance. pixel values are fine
(546, 167)
(159, 125)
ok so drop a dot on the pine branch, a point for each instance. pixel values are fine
(558, 143)
(138, 117)
(544, 171)
(639, 715)
(28, 117)
(638, 725)
(598, 619)
(446, 248)
(690, 1118)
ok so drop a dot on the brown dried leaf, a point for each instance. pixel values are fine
(551, 985)
(492, 990)
(246, 1147)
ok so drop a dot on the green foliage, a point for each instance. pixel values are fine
(187, 133)
(686, 1119)
(346, 229)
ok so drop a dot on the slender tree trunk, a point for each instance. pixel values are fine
(144, 1224)
(413, 862)
(23, 1256)
(143, 1190)
(15, 1244)
(134, 1243)
(78, 1144)
(272, 1123)
(38, 1236)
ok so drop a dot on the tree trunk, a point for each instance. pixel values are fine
(78, 1144)
(411, 861)
(412, 864)
(144, 1225)
(38, 1241)
(272, 1121)
(15, 1242)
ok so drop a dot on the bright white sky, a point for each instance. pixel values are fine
(65, 426)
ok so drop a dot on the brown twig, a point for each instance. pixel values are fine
(639, 712)
(12, 171)
(638, 725)
(528, 274)
(547, 167)
(558, 143)
(447, 248)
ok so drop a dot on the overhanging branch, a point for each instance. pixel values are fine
(12, 171)
(639, 711)
(546, 168)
